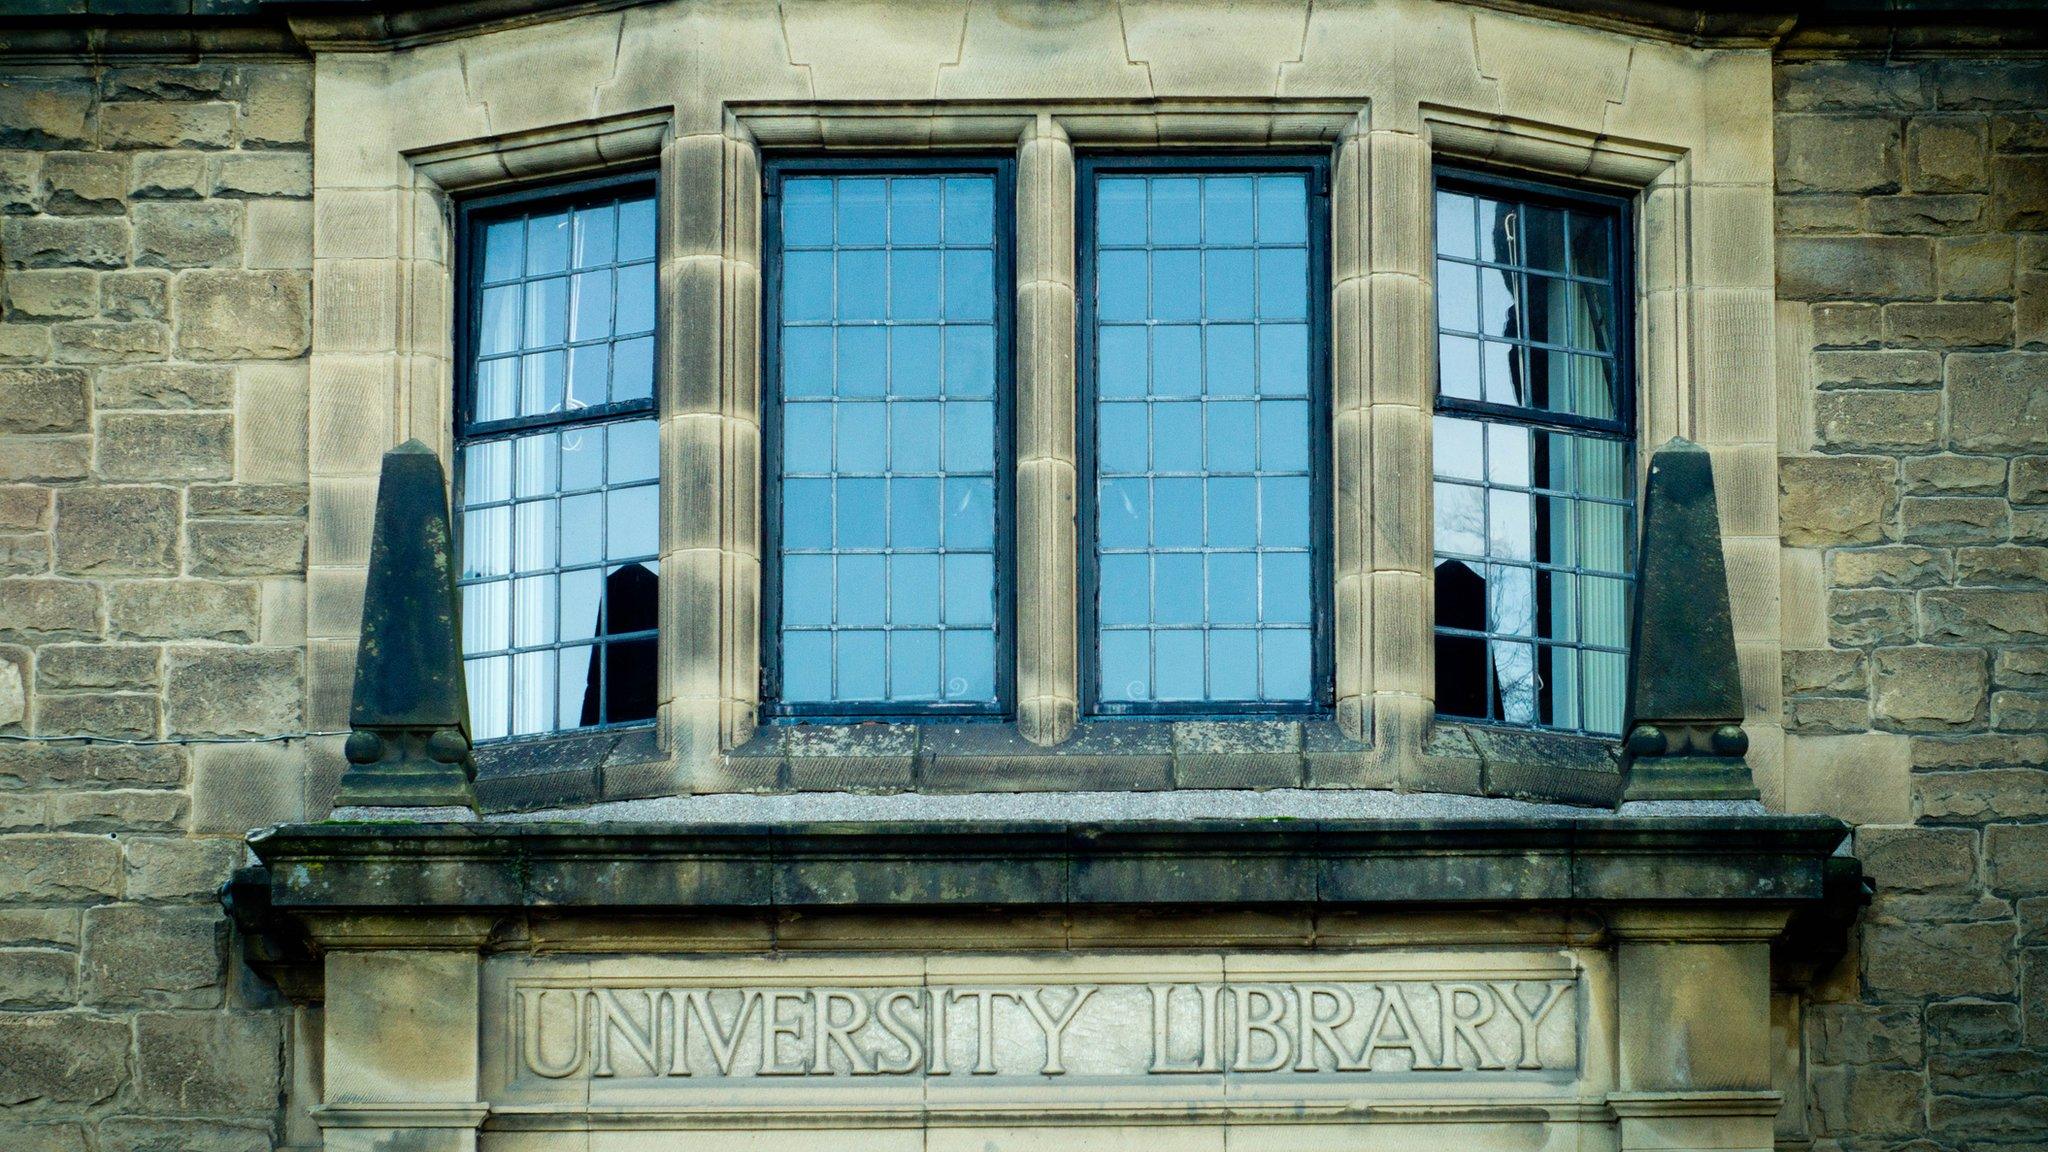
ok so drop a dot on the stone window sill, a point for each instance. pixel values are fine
(1101, 756)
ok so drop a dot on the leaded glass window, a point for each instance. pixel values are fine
(1534, 456)
(1205, 444)
(888, 438)
(557, 498)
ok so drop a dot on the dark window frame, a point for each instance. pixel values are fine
(1623, 428)
(775, 170)
(472, 216)
(1322, 464)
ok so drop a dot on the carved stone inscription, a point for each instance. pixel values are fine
(1045, 1030)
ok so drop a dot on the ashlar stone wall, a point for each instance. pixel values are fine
(155, 255)
(1913, 263)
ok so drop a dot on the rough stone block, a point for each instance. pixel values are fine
(46, 114)
(1903, 566)
(65, 667)
(208, 1063)
(1861, 618)
(108, 341)
(2019, 711)
(249, 174)
(245, 547)
(2020, 668)
(42, 400)
(124, 715)
(2029, 480)
(51, 294)
(279, 235)
(1950, 324)
(2019, 194)
(2016, 857)
(1975, 267)
(54, 869)
(232, 691)
(137, 1134)
(135, 295)
(24, 555)
(277, 104)
(1855, 268)
(182, 609)
(161, 125)
(173, 234)
(1824, 672)
(164, 386)
(24, 508)
(1831, 500)
(62, 1058)
(1923, 215)
(169, 176)
(1863, 1100)
(226, 315)
(175, 868)
(1864, 1034)
(153, 956)
(1984, 616)
(2004, 564)
(1955, 475)
(103, 531)
(175, 83)
(59, 242)
(1955, 1026)
(1953, 519)
(37, 978)
(1847, 325)
(24, 343)
(1827, 715)
(20, 183)
(85, 183)
(1930, 689)
(153, 446)
(1880, 421)
(35, 608)
(1918, 859)
(1877, 369)
(1922, 959)
(1862, 778)
(118, 813)
(1818, 215)
(1998, 401)
(1989, 794)
(1837, 154)
(1852, 83)
(1947, 154)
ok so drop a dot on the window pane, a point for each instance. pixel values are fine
(1204, 458)
(1534, 526)
(887, 428)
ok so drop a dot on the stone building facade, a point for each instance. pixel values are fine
(231, 280)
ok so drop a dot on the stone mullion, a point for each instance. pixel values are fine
(1048, 681)
(1351, 434)
(711, 447)
(1400, 370)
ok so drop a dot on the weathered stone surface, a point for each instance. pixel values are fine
(1831, 500)
(109, 341)
(226, 315)
(245, 547)
(277, 104)
(124, 715)
(1854, 83)
(1855, 268)
(91, 766)
(20, 183)
(1957, 324)
(135, 295)
(1924, 959)
(167, 125)
(246, 500)
(46, 114)
(1973, 616)
(175, 868)
(178, 235)
(1847, 325)
(1864, 1034)
(51, 294)
(208, 1063)
(1998, 401)
(61, 1057)
(1918, 859)
(2016, 857)
(1865, 1100)
(1860, 618)
(43, 869)
(117, 530)
(1841, 715)
(182, 609)
(180, 83)
(153, 956)
(1955, 475)
(135, 1134)
(2029, 480)
(42, 400)
(1947, 154)
(239, 787)
(1824, 672)
(1922, 215)
(118, 812)
(71, 666)
(1966, 1025)
(1865, 421)
(232, 691)
(153, 446)
(1975, 267)
(2005, 564)
(55, 242)
(1838, 154)
(39, 608)
(1898, 566)
(1953, 519)
(2019, 711)
(2020, 668)
(84, 183)
(1871, 368)
(249, 174)
(1922, 688)
(2019, 193)
(1987, 794)
(169, 176)
(37, 978)
(165, 386)
(24, 508)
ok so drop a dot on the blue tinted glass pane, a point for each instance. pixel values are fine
(1176, 284)
(1126, 587)
(636, 229)
(1287, 588)
(1120, 285)
(1126, 666)
(1227, 210)
(632, 517)
(1125, 511)
(1177, 436)
(914, 665)
(914, 360)
(1177, 513)
(1233, 512)
(1232, 436)
(1285, 664)
(1178, 664)
(1121, 358)
(1283, 283)
(806, 666)
(1283, 210)
(1233, 588)
(1227, 284)
(636, 300)
(807, 590)
(1227, 364)
(633, 369)
(1177, 588)
(894, 461)
(547, 312)
(1234, 664)
(1176, 360)
(807, 362)
(1121, 438)
(547, 243)
(1120, 210)
(1283, 512)
(1176, 209)
(970, 360)
(504, 250)
(590, 305)
(595, 230)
